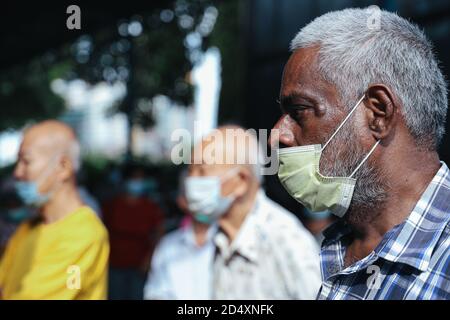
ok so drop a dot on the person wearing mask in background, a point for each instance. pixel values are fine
(135, 224)
(364, 111)
(262, 250)
(181, 266)
(317, 222)
(61, 252)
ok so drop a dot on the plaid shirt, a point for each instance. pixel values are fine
(412, 261)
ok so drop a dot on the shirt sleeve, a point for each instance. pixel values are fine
(158, 285)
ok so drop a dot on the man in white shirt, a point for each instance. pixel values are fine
(181, 267)
(262, 250)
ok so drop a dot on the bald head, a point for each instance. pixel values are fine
(48, 155)
(227, 147)
(51, 127)
(53, 138)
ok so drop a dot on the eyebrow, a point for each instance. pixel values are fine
(286, 100)
(291, 100)
(23, 153)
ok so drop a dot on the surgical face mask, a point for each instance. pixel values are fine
(299, 174)
(204, 197)
(18, 215)
(318, 215)
(135, 187)
(28, 191)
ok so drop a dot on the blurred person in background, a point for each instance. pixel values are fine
(62, 251)
(317, 222)
(181, 266)
(262, 250)
(135, 224)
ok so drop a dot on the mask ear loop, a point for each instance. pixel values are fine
(343, 122)
(365, 158)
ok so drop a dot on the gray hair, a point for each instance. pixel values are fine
(352, 55)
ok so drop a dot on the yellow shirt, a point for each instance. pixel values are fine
(67, 259)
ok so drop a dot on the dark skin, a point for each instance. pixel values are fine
(311, 112)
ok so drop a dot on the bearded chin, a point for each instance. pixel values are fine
(369, 195)
(340, 159)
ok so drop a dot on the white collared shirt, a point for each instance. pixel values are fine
(272, 257)
(180, 268)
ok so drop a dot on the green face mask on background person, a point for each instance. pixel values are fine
(299, 174)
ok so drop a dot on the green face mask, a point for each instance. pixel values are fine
(299, 174)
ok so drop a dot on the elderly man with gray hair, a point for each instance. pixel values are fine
(364, 110)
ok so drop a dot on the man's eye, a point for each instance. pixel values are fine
(24, 161)
(296, 115)
(300, 107)
(297, 112)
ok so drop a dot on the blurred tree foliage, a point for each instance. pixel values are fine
(152, 52)
(25, 92)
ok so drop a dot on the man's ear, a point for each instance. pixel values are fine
(67, 168)
(245, 177)
(381, 110)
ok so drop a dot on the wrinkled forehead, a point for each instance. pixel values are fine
(302, 78)
(303, 63)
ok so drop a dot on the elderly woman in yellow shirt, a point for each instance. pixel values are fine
(61, 253)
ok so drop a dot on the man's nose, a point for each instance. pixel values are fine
(282, 133)
(18, 172)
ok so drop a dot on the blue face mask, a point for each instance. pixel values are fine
(318, 215)
(204, 218)
(204, 197)
(28, 192)
(135, 188)
(18, 215)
